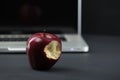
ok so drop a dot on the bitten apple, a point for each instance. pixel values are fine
(43, 50)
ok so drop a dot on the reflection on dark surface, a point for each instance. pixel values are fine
(38, 12)
(30, 14)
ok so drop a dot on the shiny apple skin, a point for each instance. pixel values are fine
(35, 50)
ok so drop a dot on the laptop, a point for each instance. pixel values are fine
(22, 18)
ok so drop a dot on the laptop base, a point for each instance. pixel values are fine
(73, 43)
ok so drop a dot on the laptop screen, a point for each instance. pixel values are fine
(57, 16)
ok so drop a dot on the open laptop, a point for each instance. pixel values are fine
(21, 18)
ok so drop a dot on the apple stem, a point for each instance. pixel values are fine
(44, 31)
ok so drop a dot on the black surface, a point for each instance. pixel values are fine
(101, 63)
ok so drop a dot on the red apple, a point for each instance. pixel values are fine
(43, 50)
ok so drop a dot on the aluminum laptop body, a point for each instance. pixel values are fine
(12, 34)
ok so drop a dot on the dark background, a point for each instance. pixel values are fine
(101, 17)
(22, 15)
(98, 16)
(38, 12)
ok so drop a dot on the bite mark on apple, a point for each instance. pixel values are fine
(52, 50)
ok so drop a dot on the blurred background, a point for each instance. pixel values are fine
(101, 17)
(98, 16)
(42, 14)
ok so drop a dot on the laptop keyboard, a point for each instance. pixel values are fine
(19, 38)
